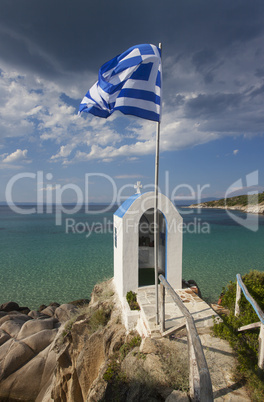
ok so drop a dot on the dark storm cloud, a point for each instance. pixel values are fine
(206, 105)
(79, 35)
(213, 59)
(259, 72)
(203, 57)
(256, 92)
(206, 62)
(227, 113)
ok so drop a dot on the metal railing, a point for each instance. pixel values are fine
(199, 377)
(259, 312)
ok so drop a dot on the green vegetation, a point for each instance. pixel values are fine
(245, 343)
(96, 318)
(68, 326)
(99, 319)
(113, 372)
(114, 376)
(241, 200)
(132, 300)
(127, 347)
(176, 367)
(129, 371)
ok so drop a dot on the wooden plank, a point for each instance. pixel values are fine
(173, 329)
(249, 298)
(250, 326)
(202, 391)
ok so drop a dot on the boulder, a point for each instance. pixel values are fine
(5, 318)
(18, 354)
(18, 385)
(80, 302)
(49, 356)
(4, 348)
(42, 307)
(54, 304)
(15, 316)
(3, 336)
(13, 326)
(24, 310)
(45, 317)
(34, 314)
(37, 315)
(2, 313)
(33, 326)
(149, 345)
(98, 388)
(40, 340)
(65, 312)
(49, 311)
(9, 306)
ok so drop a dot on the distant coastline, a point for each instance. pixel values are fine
(253, 204)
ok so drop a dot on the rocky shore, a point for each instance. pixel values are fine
(27, 357)
(83, 353)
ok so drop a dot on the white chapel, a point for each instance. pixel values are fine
(134, 243)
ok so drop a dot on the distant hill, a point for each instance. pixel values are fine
(186, 202)
(253, 203)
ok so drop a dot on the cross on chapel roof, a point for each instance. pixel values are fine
(138, 186)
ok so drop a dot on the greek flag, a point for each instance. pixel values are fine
(130, 82)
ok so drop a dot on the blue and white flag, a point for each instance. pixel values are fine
(130, 82)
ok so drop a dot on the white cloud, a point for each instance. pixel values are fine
(194, 113)
(14, 106)
(18, 155)
(65, 150)
(108, 153)
(235, 152)
(102, 142)
(30, 105)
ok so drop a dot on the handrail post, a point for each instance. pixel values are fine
(238, 297)
(194, 378)
(258, 311)
(261, 347)
(162, 307)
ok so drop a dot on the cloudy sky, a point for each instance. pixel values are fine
(213, 98)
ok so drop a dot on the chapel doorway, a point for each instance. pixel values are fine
(146, 263)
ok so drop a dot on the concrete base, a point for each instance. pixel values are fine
(144, 321)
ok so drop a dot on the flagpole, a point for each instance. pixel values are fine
(156, 218)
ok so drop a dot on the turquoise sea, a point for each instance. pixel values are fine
(41, 263)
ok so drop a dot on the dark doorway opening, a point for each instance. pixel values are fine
(146, 232)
